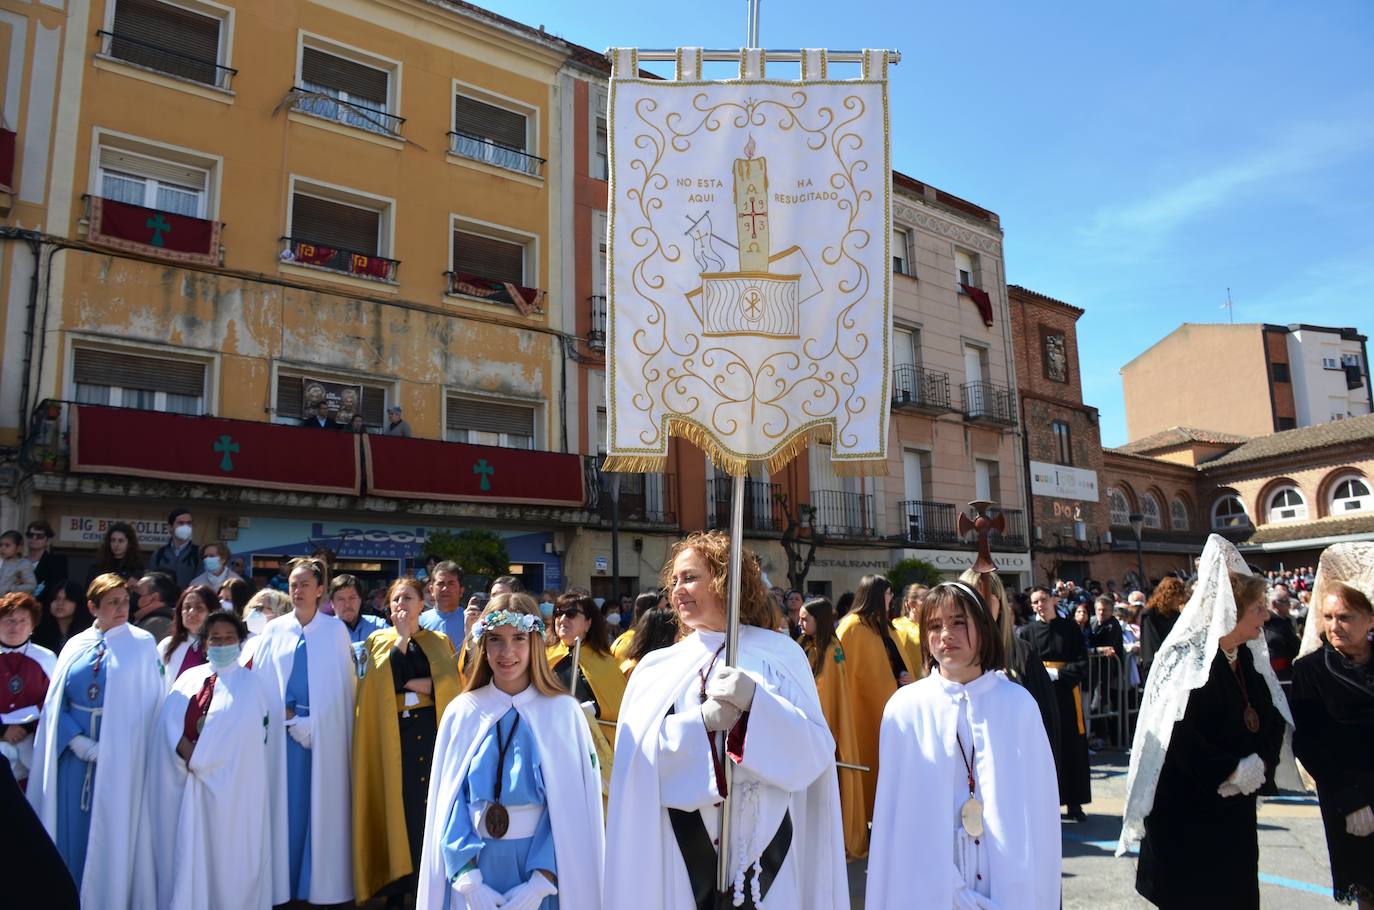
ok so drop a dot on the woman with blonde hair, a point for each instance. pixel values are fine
(513, 818)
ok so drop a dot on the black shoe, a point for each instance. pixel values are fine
(1076, 813)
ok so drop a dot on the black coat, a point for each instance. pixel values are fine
(1201, 849)
(1061, 641)
(1282, 640)
(1333, 710)
(1025, 669)
(1154, 628)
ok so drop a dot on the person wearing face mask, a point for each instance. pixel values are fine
(215, 558)
(600, 684)
(90, 753)
(408, 679)
(178, 557)
(25, 669)
(212, 789)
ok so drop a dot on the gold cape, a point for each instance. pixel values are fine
(602, 672)
(620, 648)
(381, 847)
(833, 689)
(908, 639)
(869, 684)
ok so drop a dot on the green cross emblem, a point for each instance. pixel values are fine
(159, 225)
(484, 471)
(227, 447)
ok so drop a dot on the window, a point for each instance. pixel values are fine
(985, 485)
(1118, 506)
(133, 380)
(1280, 372)
(169, 39)
(601, 160)
(1350, 360)
(489, 257)
(1287, 504)
(1351, 495)
(494, 135)
(336, 224)
(901, 252)
(490, 423)
(1287, 423)
(1149, 510)
(291, 394)
(1330, 363)
(363, 90)
(1178, 515)
(153, 183)
(1063, 446)
(965, 268)
(1229, 512)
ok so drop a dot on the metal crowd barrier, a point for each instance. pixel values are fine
(1110, 702)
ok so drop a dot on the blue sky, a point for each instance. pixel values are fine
(1142, 157)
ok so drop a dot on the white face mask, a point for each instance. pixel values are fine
(256, 622)
(183, 532)
(213, 564)
(613, 619)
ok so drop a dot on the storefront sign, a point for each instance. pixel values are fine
(956, 561)
(603, 564)
(90, 529)
(1058, 480)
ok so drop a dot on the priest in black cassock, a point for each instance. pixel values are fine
(1058, 643)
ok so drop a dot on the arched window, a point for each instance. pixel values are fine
(1287, 504)
(1149, 510)
(1229, 512)
(1351, 494)
(1118, 506)
(1178, 515)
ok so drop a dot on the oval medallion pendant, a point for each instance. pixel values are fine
(496, 820)
(971, 815)
(1251, 719)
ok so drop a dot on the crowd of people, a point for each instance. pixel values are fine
(184, 740)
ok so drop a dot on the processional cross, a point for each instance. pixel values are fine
(983, 524)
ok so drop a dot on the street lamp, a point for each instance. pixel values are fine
(1137, 523)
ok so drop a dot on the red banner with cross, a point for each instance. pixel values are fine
(150, 232)
(429, 469)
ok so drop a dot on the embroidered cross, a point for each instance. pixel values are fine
(158, 224)
(227, 447)
(484, 472)
(754, 215)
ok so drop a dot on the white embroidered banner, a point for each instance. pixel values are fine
(750, 270)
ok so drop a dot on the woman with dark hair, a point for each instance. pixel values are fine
(212, 784)
(874, 668)
(685, 715)
(234, 594)
(967, 745)
(843, 605)
(656, 628)
(1161, 612)
(644, 602)
(64, 615)
(600, 684)
(184, 648)
(409, 675)
(513, 817)
(118, 553)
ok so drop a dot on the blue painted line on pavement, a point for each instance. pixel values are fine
(1292, 800)
(1266, 878)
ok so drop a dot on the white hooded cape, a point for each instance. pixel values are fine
(119, 861)
(332, 682)
(572, 784)
(788, 765)
(220, 819)
(911, 851)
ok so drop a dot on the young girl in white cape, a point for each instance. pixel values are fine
(964, 748)
(514, 812)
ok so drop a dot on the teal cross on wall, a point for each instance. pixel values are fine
(159, 225)
(228, 447)
(484, 472)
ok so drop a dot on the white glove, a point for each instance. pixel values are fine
(1248, 776)
(732, 685)
(1360, 822)
(84, 748)
(302, 730)
(1053, 672)
(719, 715)
(531, 894)
(589, 709)
(474, 893)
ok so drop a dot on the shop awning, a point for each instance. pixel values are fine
(213, 450)
(429, 469)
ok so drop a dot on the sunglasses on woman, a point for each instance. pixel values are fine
(572, 611)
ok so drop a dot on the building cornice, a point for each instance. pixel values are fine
(921, 213)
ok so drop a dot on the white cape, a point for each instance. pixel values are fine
(217, 822)
(572, 785)
(911, 853)
(47, 662)
(332, 682)
(788, 765)
(119, 861)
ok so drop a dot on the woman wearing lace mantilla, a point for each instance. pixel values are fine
(1211, 731)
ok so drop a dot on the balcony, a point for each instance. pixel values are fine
(476, 148)
(644, 498)
(495, 290)
(987, 402)
(1014, 538)
(152, 232)
(761, 509)
(311, 254)
(165, 60)
(920, 389)
(596, 335)
(843, 514)
(929, 523)
(321, 101)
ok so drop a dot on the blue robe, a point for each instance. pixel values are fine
(504, 863)
(451, 624)
(298, 777)
(76, 718)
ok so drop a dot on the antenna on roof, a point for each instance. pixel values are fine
(1230, 310)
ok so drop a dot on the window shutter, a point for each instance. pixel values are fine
(489, 416)
(366, 84)
(499, 260)
(169, 27)
(162, 171)
(487, 121)
(135, 371)
(337, 224)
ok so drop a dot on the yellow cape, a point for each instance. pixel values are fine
(381, 847)
(908, 639)
(869, 684)
(602, 673)
(832, 687)
(620, 648)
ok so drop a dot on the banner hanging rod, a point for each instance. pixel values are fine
(720, 55)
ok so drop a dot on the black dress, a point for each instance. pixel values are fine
(1201, 849)
(1333, 710)
(418, 728)
(1026, 670)
(1154, 628)
(1060, 641)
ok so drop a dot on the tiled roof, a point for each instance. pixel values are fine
(1044, 298)
(1336, 526)
(1177, 436)
(1303, 439)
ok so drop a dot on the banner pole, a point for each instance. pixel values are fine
(731, 657)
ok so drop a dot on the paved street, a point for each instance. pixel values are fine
(1294, 872)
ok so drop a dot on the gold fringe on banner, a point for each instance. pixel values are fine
(735, 465)
(860, 468)
(634, 464)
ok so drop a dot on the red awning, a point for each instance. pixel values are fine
(429, 469)
(982, 301)
(212, 450)
(7, 145)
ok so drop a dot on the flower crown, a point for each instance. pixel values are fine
(521, 622)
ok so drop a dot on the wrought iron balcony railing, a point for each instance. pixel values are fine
(648, 498)
(920, 389)
(466, 145)
(1014, 537)
(322, 101)
(988, 402)
(318, 255)
(761, 509)
(165, 60)
(596, 335)
(843, 514)
(929, 523)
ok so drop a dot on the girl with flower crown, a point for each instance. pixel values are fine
(514, 811)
